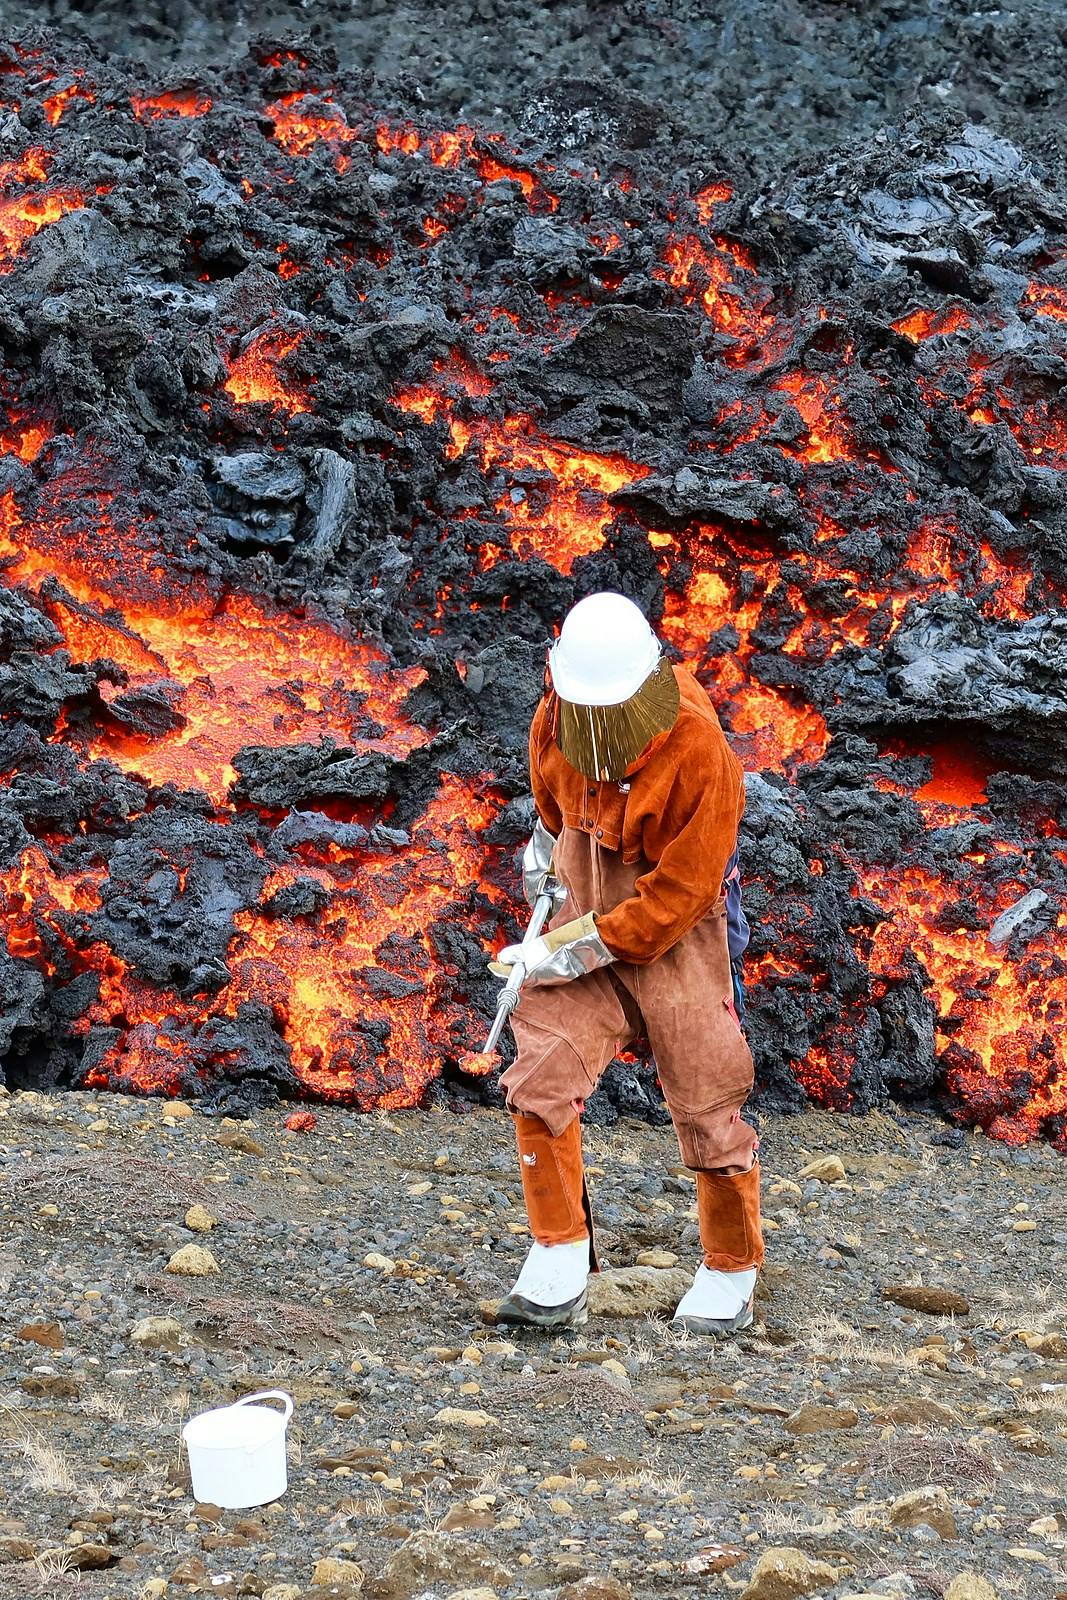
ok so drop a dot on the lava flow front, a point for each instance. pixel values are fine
(320, 415)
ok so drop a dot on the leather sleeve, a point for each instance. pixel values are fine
(701, 800)
(548, 808)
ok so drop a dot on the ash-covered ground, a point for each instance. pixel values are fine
(326, 398)
(893, 1425)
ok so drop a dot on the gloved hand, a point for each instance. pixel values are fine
(537, 867)
(564, 953)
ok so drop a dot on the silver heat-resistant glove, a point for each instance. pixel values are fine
(537, 867)
(558, 956)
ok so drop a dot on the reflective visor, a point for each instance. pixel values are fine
(601, 742)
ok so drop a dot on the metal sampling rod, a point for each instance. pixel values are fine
(508, 998)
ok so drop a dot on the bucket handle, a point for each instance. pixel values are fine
(270, 1394)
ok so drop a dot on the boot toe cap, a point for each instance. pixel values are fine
(517, 1311)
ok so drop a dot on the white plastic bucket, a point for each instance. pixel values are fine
(237, 1453)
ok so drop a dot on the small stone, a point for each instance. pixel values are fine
(820, 1419)
(929, 1506)
(715, 1558)
(1023, 1227)
(455, 1417)
(657, 1258)
(379, 1262)
(785, 1573)
(301, 1122)
(1051, 1346)
(191, 1572)
(156, 1332)
(916, 1408)
(178, 1109)
(430, 1557)
(921, 1297)
(635, 1291)
(825, 1169)
(282, 1591)
(596, 1586)
(242, 1142)
(331, 1570)
(101, 1125)
(192, 1261)
(12, 1549)
(89, 1557)
(473, 1594)
(200, 1219)
(970, 1586)
(154, 1589)
(930, 1355)
(49, 1386)
(48, 1334)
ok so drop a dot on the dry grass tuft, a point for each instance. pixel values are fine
(826, 1336)
(89, 1185)
(242, 1320)
(43, 1579)
(585, 1388)
(783, 1520)
(910, 1458)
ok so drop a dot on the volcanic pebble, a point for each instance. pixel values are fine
(933, 1302)
(193, 1261)
(200, 1219)
(785, 1573)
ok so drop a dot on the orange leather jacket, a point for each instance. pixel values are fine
(678, 808)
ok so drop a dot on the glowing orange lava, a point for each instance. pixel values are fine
(298, 131)
(1047, 299)
(819, 404)
(566, 512)
(778, 731)
(172, 103)
(57, 103)
(709, 198)
(362, 970)
(921, 324)
(241, 672)
(23, 438)
(1008, 1018)
(23, 215)
(714, 277)
(253, 376)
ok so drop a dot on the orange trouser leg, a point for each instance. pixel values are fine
(729, 1211)
(553, 1179)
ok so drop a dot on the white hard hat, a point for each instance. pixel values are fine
(604, 652)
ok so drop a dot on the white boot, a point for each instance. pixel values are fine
(719, 1302)
(550, 1291)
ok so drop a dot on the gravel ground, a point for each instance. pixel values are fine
(895, 1424)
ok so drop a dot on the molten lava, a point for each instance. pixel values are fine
(362, 998)
(463, 381)
(254, 376)
(172, 103)
(22, 215)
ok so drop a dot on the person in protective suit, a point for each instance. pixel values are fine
(638, 800)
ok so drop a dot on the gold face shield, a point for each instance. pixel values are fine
(601, 742)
